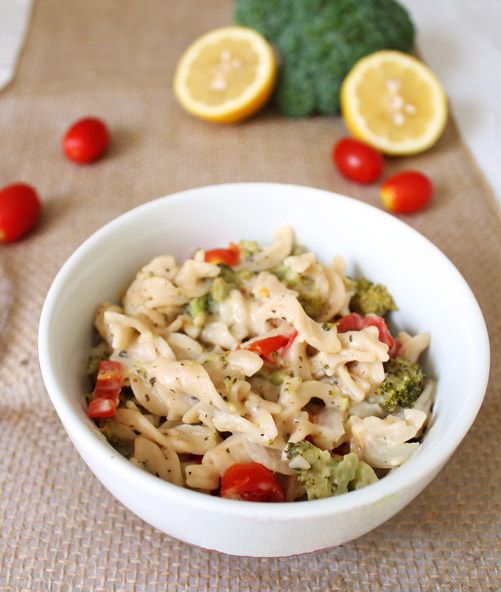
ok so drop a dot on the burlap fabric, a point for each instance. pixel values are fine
(60, 529)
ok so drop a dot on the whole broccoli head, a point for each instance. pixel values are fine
(324, 476)
(320, 40)
(402, 385)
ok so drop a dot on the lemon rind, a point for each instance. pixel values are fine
(357, 123)
(256, 94)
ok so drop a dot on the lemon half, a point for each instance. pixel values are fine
(394, 102)
(226, 75)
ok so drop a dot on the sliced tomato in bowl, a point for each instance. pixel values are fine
(251, 482)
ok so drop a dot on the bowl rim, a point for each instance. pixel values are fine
(410, 473)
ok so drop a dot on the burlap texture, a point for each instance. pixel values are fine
(60, 529)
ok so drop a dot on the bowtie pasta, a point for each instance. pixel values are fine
(258, 373)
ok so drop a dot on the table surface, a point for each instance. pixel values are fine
(457, 38)
(61, 530)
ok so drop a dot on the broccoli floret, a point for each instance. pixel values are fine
(234, 278)
(247, 249)
(402, 385)
(320, 40)
(228, 382)
(197, 308)
(276, 378)
(324, 476)
(219, 291)
(97, 354)
(364, 475)
(371, 298)
(308, 293)
(107, 428)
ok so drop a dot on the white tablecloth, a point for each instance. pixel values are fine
(14, 18)
(459, 39)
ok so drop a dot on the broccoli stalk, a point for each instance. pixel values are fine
(323, 475)
(320, 40)
(402, 385)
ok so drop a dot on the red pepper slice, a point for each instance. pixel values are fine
(108, 387)
(354, 322)
(229, 256)
(270, 348)
(251, 482)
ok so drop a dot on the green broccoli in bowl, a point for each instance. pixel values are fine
(323, 475)
(371, 298)
(402, 385)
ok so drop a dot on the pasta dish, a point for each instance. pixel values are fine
(258, 373)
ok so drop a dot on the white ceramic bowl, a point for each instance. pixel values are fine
(430, 292)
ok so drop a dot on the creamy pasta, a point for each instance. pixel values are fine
(255, 354)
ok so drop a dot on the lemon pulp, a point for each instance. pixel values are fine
(394, 102)
(226, 75)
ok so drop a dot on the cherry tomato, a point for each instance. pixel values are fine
(100, 408)
(372, 320)
(355, 322)
(357, 161)
(270, 348)
(350, 322)
(20, 208)
(229, 256)
(109, 380)
(86, 140)
(251, 482)
(406, 192)
(107, 390)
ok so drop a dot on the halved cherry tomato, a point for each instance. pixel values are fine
(357, 161)
(351, 322)
(406, 192)
(270, 348)
(86, 140)
(107, 390)
(109, 380)
(101, 408)
(229, 256)
(355, 322)
(20, 208)
(251, 482)
(372, 320)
